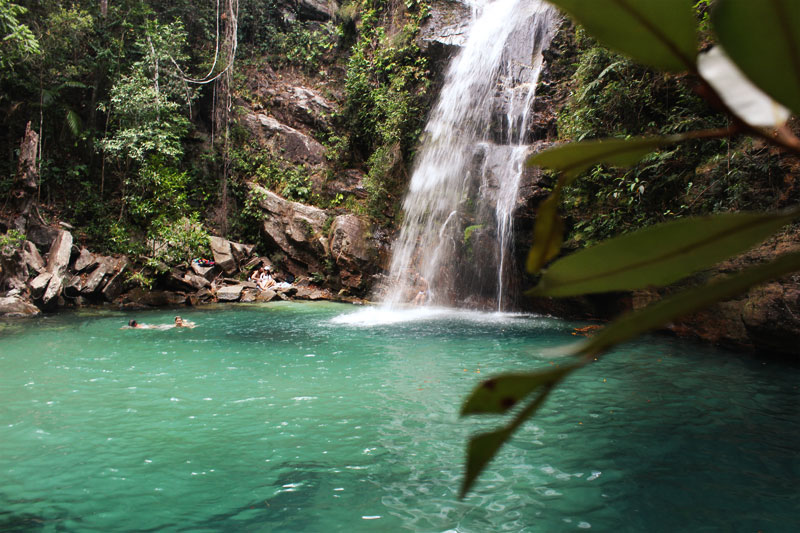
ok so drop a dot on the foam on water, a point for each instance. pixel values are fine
(381, 316)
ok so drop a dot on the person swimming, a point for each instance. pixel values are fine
(132, 324)
(181, 323)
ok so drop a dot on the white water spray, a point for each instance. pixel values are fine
(468, 169)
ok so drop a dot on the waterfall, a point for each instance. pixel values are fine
(466, 175)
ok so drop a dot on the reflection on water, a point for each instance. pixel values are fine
(321, 417)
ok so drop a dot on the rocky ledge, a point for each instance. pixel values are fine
(48, 272)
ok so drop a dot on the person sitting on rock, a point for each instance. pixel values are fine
(265, 280)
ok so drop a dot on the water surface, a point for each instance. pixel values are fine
(321, 417)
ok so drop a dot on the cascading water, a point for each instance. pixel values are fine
(464, 187)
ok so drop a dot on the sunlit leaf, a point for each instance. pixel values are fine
(500, 393)
(763, 39)
(658, 255)
(483, 447)
(747, 101)
(573, 158)
(548, 234)
(661, 313)
(658, 33)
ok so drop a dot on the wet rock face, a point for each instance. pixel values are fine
(446, 25)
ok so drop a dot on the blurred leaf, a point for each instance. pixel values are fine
(688, 301)
(483, 447)
(74, 122)
(748, 102)
(658, 33)
(480, 450)
(573, 158)
(763, 39)
(658, 255)
(548, 233)
(500, 393)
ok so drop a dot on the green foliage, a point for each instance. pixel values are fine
(157, 191)
(121, 239)
(11, 240)
(146, 104)
(176, 242)
(651, 256)
(16, 39)
(140, 279)
(305, 45)
(386, 88)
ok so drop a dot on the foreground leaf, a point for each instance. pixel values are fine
(658, 33)
(683, 303)
(548, 233)
(745, 100)
(573, 158)
(500, 393)
(763, 39)
(482, 448)
(658, 255)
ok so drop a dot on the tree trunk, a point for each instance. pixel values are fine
(27, 181)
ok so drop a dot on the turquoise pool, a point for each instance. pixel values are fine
(321, 417)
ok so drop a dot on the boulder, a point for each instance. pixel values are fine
(242, 252)
(57, 262)
(13, 269)
(72, 289)
(186, 281)
(94, 283)
(229, 293)
(206, 272)
(248, 295)
(290, 143)
(320, 10)
(11, 306)
(43, 236)
(86, 261)
(32, 258)
(266, 295)
(38, 284)
(115, 285)
(200, 297)
(295, 229)
(223, 255)
(293, 105)
(311, 292)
